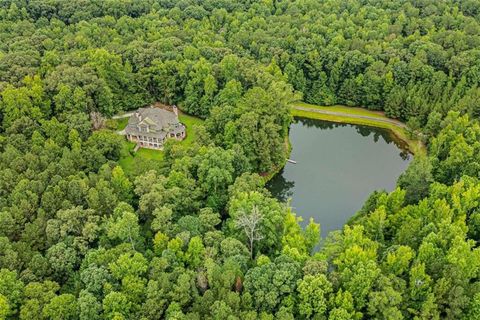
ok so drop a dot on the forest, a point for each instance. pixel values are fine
(199, 236)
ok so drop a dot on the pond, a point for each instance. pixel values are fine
(338, 167)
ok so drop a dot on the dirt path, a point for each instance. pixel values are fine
(343, 114)
(125, 115)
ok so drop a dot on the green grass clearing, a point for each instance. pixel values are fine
(130, 161)
(122, 123)
(127, 158)
(189, 122)
(344, 109)
(117, 124)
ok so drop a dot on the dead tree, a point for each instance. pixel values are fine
(250, 224)
(98, 121)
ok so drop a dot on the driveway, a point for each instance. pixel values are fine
(125, 115)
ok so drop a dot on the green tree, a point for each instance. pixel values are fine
(116, 306)
(36, 296)
(416, 179)
(63, 260)
(4, 307)
(195, 252)
(215, 174)
(61, 307)
(272, 285)
(313, 294)
(122, 186)
(124, 226)
(88, 306)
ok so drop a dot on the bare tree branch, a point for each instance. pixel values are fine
(98, 121)
(250, 223)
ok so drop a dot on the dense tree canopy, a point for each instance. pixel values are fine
(199, 236)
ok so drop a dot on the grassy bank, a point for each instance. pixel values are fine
(344, 109)
(348, 115)
(190, 122)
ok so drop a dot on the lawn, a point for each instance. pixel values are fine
(414, 146)
(129, 160)
(344, 109)
(189, 122)
(117, 124)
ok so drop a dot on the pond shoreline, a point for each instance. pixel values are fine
(359, 116)
(339, 164)
(355, 116)
(269, 175)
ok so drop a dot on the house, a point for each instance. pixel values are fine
(150, 127)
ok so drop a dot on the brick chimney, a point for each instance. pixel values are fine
(175, 110)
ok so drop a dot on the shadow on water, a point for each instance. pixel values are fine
(280, 187)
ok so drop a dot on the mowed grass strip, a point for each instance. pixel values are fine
(414, 146)
(343, 109)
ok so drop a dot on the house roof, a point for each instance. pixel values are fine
(158, 120)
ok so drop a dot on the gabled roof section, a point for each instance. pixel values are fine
(148, 121)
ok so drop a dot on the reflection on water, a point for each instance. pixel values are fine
(338, 166)
(282, 189)
(365, 131)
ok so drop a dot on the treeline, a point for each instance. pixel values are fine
(200, 237)
(415, 60)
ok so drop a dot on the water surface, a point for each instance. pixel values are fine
(338, 167)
